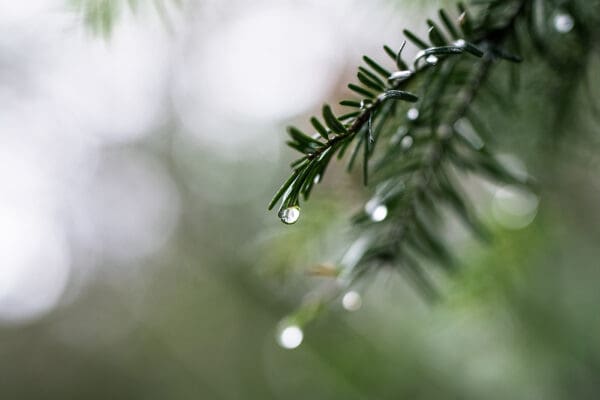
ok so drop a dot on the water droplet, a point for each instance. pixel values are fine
(412, 114)
(379, 214)
(407, 142)
(400, 75)
(563, 22)
(290, 337)
(289, 215)
(460, 43)
(317, 179)
(352, 301)
(513, 207)
(377, 211)
(431, 60)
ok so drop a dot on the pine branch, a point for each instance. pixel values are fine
(413, 173)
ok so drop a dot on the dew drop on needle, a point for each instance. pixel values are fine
(431, 60)
(289, 215)
(412, 114)
(563, 22)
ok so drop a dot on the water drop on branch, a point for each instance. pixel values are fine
(412, 114)
(289, 215)
(352, 301)
(400, 75)
(431, 60)
(376, 210)
(460, 43)
(407, 142)
(290, 337)
(563, 22)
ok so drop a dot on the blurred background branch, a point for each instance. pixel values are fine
(102, 15)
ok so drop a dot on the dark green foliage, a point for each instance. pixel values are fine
(448, 24)
(435, 34)
(380, 70)
(331, 121)
(321, 130)
(414, 39)
(413, 170)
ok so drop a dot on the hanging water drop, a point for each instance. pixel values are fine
(460, 43)
(407, 142)
(563, 22)
(513, 207)
(412, 114)
(400, 75)
(376, 210)
(352, 301)
(289, 215)
(317, 179)
(431, 60)
(379, 213)
(290, 337)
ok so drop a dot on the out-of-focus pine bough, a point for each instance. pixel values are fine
(411, 128)
(100, 16)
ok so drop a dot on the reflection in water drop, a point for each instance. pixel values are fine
(289, 215)
(563, 22)
(377, 211)
(514, 208)
(412, 114)
(379, 214)
(407, 142)
(460, 43)
(400, 75)
(352, 301)
(290, 337)
(431, 60)
(317, 179)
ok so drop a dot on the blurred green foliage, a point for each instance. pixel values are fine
(101, 16)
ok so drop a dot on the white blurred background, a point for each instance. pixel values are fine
(78, 109)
